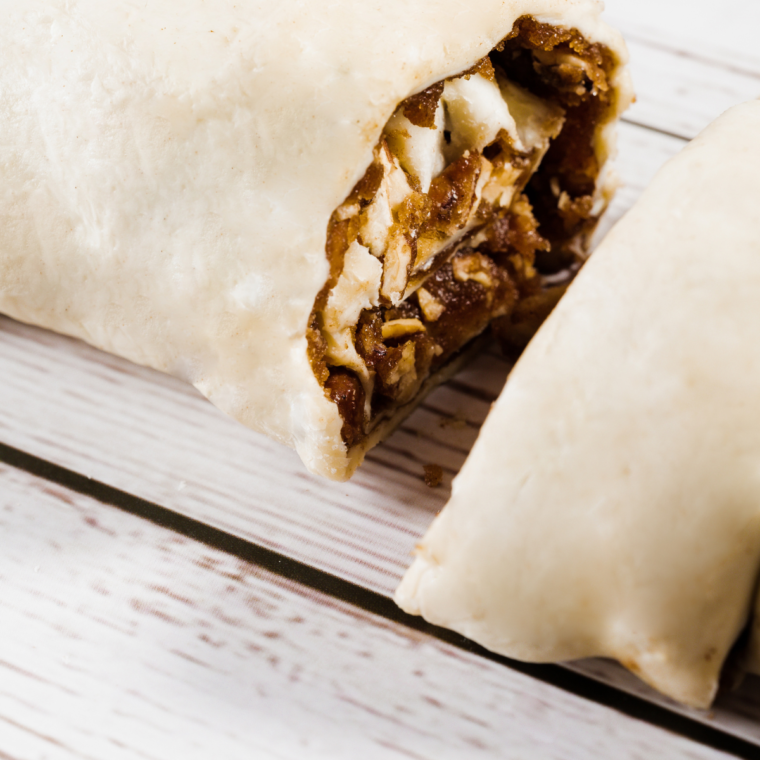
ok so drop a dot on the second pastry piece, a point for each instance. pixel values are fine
(611, 505)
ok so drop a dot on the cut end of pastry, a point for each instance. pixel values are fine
(484, 189)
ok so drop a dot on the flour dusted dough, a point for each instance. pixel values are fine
(611, 505)
(169, 173)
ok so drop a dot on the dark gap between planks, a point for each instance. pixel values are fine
(372, 602)
(658, 130)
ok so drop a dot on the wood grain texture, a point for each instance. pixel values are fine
(682, 94)
(155, 437)
(122, 640)
(723, 32)
(690, 59)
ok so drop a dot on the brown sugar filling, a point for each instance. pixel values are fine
(476, 245)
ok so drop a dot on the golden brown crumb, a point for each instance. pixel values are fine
(420, 108)
(484, 67)
(457, 422)
(433, 475)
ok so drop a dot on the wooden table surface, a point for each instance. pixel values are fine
(173, 585)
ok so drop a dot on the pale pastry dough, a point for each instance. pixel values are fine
(611, 505)
(169, 175)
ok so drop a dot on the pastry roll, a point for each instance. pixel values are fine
(611, 504)
(306, 210)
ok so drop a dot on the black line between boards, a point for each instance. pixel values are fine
(472, 391)
(372, 602)
(652, 128)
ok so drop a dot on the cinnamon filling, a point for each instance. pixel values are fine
(483, 189)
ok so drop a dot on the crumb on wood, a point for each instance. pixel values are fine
(455, 422)
(433, 475)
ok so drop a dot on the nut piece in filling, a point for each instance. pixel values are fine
(478, 207)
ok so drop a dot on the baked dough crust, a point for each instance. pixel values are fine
(611, 505)
(169, 174)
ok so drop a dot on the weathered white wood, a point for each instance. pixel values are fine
(721, 31)
(683, 94)
(122, 640)
(736, 712)
(690, 59)
(188, 477)
(155, 437)
(351, 548)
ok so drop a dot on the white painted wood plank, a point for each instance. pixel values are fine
(723, 31)
(155, 437)
(121, 640)
(690, 59)
(737, 712)
(683, 94)
(363, 530)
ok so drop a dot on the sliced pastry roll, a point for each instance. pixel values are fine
(306, 210)
(611, 505)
